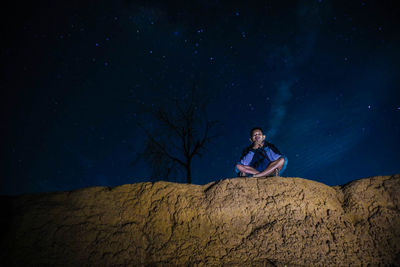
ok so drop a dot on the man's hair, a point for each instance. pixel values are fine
(256, 128)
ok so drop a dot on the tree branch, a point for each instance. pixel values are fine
(160, 146)
(163, 116)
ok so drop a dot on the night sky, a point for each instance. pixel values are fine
(321, 78)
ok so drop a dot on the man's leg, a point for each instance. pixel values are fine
(246, 169)
(274, 166)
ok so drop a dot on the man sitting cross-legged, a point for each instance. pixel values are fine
(260, 159)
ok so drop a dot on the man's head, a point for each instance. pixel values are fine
(256, 135)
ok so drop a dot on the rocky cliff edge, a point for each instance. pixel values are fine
(240, 221)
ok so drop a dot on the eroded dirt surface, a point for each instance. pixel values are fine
(239, 221)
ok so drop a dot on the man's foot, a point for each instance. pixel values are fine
(276, 172)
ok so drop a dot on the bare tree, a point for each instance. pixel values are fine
(182, 133)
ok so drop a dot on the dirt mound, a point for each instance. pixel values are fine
(239, 221)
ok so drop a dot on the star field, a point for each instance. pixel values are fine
(320, 77)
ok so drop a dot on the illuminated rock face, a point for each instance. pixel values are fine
(240, 221)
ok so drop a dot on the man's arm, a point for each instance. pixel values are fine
(243, 164)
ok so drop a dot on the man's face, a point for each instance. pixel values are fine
(257, 137)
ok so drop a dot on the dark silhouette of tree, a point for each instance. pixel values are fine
(182, 132)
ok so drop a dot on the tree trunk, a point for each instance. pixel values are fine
(188, 174)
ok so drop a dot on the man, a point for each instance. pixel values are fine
(260, 159)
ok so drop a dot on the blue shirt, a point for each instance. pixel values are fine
(260, 158)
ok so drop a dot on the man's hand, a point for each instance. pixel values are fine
(257, 144)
